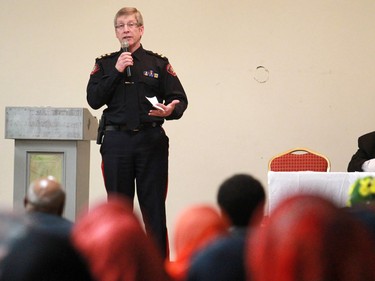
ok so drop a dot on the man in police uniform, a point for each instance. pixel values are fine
(134, 148)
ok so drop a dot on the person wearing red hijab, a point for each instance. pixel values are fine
(196, 227)
(308, 238)
(115, 245)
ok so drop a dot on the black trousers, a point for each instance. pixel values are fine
(138, 161)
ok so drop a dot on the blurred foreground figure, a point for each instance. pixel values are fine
(12, 228)
(44, 202)
(116, 247)
(240, 198)
(307, 238)
(41, 256)
(196, 227)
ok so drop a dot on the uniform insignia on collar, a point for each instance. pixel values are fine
(95, 69)
(106, 55)
(151, 73)
(170, 70)
(156, 55)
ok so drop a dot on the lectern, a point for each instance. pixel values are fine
(52, 141)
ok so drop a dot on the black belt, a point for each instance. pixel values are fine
(126, 128)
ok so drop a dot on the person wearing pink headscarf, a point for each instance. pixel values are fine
(196, 227)
(115, 245)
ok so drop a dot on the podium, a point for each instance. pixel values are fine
(52, 141)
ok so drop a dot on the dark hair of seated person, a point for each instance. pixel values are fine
(239, 197)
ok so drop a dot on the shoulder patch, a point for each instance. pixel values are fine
(156, 55)
(95, 69)
(106, 55)
(170, 70)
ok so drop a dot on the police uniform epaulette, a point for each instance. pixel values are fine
(156, 55)
(106, 55)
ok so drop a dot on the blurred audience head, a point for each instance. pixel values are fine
(115, 245)
(308, 238)
(42, 256)
(45, 195)
(195, 228)
(239, 197)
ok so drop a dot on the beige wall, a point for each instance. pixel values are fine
(319, 93)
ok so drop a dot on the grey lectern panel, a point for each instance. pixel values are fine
(52, 141)
(74, 173)
(49, 123)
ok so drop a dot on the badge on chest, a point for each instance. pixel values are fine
(151, 73)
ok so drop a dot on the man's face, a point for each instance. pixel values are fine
(127, 29)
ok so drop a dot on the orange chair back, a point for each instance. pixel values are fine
(299, 159)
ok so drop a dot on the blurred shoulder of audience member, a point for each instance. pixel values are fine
(115, 245)
(365, 215)
(309, 238)
(13, 226)
(43, 256)
(196, 227)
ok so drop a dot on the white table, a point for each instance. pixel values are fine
(331, 185)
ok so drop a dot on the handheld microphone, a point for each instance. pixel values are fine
(124, 47)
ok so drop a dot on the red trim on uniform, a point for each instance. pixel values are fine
(170, 70)
(95, 69)
(102, 167)
(167, 252)
(166, 190)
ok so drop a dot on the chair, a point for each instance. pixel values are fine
(299, 159)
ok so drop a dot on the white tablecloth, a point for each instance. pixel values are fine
(331, 185)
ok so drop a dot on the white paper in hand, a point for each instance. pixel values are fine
(154, 101)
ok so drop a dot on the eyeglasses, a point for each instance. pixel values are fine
(130, 25)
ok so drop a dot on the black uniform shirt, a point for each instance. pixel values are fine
(152, 76)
